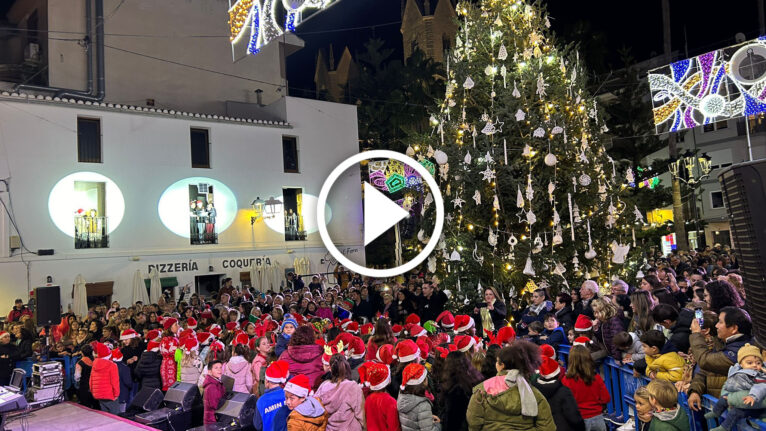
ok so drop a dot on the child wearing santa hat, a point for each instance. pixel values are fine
(306, 412)
(564, 408)
(380, 407)
(148, 368)
(126, 379)
(191, 364)
(415, 411)
(273, 399)
(105, 380)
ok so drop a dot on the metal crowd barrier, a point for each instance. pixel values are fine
(621, 385)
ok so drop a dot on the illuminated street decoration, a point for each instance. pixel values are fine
(260, 18)
(718, 85)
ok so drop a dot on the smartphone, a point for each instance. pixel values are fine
(698, 316)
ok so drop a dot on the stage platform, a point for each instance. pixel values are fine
(68, 416)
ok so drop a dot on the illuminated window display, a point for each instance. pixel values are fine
(293, 211)
(86, 206)
(307, 219)
(197, 208)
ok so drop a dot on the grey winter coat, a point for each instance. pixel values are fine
(746, 380)
(636, 351)
(415, 413)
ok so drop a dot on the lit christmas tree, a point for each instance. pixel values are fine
(530, 192)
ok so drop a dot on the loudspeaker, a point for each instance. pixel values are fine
(48, 309)
(147, 399)
(182, 395)
(237, 407)
(744, 192)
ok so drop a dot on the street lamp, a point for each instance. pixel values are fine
(264, 209)
(691, 169)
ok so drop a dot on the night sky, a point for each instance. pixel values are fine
(602, 27)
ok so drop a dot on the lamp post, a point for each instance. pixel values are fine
(264, 209)
(692, 170)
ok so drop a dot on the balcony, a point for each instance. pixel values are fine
(91, 232)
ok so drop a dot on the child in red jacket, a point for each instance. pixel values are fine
(214, 390)
(587, 386)
(105, 380)
(379, 407)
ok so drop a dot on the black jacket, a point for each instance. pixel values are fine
(565, 317)
(25, 345)
(126, 382)
(499, 314)
(430, 308)
(148, 370)
(680, 332)
(455, 408)
(564, 408)
(8, 357)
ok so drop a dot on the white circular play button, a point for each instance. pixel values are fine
(380, 213)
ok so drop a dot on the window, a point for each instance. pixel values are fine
(293, 210)
(446, 42)
(90, 220)
(200, 148)
(716, 200)
(290, 154)
(88, 140)
(718, 125)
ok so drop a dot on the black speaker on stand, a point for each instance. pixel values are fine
(48, 311)
(744, 192)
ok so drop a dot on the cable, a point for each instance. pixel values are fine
(12, 218)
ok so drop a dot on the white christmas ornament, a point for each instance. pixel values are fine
(526, 151)
(457, 202)
(468, 84)
(467, 158)
(520, 115)
(477, 197)
(630, 176)
(557, 236)
(519, 199)
(531, 217)
(488, 174)
(495, 203)
(639, 215)
(432, 264)
(430, 152)
(476, 256)
(410, 151)
(422, 237)
(528, 269)
(503, 53)
(512, 241)
(443, 170)
(550, 159)
(516, 94)
(492, 238)
(539, 133)
(440, 156)
(551, 189)
(590, 254)
(620, 251)
(556, 130)
(538, 244)
(455, 256)
(541, 86)
(584, 180)
(488, 158)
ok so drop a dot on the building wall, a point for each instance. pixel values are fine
(173, 28)
(429, 29)
(144, 154)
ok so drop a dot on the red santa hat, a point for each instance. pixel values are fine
(352, 327)
(232, 326)
(204, 338)
(126, 334)
(581, 341)
(168, 322)
(547, 351)
(241, 338)
(406, 351)
(506, 334)
(368, 329)
(413, 375)
(464, 343)
(186, 333)
(442, 352)
(385, 354)
(446, 319)
(583, 324)
(424, 346)
(299, 386)
(397, 329)
(549, 369)
(412, 319)
(378, 376)
(215, 330)
(216, 347)
(190, 344)
(191, 323)
(362, 370)
(343, 337)
(356, 348)
(329, 351)
(116, 355)
(277, 372)
(153, 335)
(463, 323)
(4, 333)
(152, 346)
(207, 314)
(103, 351)
(417, 330)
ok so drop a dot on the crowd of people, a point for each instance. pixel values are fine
(363, 354)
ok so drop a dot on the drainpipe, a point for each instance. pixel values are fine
(87, 94)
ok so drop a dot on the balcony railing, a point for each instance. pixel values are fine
(91, 232)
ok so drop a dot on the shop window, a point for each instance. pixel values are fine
(290, 154)
(202, 215)
(718, 125)
(722, 237)
(293, 210)
(88, 140)
(90, 221)
(716, 200)
(200, 148)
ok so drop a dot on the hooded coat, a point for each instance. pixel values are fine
(304, 359)
(564, 409)
(344, 403)
(105, 380)
(495, 406)
(258, 369)
(415, 413)
(148, 370)
(239, 369)
(214, 391)
(668, 364)
(308, 416)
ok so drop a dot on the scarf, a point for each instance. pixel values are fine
(538, 308)
(528, 400)
(666, 414)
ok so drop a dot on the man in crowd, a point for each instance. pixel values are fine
(430, 303)
(19, 309)
(734, 328)
(362, 307)
(227, 287)
(588, 292)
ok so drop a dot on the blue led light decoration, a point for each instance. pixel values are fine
(718, 85)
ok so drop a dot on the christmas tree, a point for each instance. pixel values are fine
(529, 189)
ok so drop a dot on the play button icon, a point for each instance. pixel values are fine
(380, 213)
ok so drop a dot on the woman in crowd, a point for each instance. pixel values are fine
(342, 398)
(496, 308)
(609, 324)
(457, 381)
(303, 354)
(720, 294)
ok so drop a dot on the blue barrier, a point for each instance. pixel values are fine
(621, 385)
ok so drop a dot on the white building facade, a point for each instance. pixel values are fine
(108, 185)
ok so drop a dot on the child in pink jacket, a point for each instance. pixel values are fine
(263, 348)
(238, 368)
